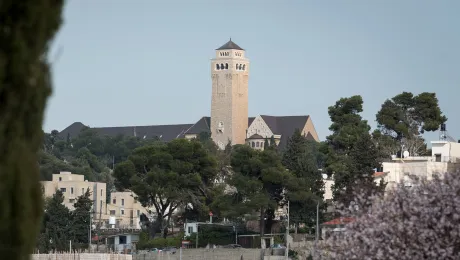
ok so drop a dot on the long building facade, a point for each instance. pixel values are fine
(229, 120)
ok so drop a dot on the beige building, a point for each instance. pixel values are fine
(122, 211)
(229, 119)
(229, 102)
(73, 186)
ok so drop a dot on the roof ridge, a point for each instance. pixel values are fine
(137, 126)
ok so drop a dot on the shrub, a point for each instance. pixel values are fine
(418, 222)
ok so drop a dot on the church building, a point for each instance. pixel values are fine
(229, 119)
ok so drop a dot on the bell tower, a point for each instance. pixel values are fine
(229, 103)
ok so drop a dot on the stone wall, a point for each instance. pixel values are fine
(211, 254)
(81, 256)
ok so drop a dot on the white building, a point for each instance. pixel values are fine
(445, 157)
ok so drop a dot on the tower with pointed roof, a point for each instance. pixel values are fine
(229, 103)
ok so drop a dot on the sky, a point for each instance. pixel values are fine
(147, 62)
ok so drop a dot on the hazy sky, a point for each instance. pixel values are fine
(147, 62)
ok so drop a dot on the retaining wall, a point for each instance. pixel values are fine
(80, 256)
(211, 254)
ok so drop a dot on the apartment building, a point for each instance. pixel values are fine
(445, 157)
(123, 211)
(75, 185)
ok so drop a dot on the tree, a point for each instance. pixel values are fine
(418, 222)
(57, 221)
(26, 30)
(81, 220)
(349, 134)
(258, 178)
(307, 189)
(405, 117)
(168, 176)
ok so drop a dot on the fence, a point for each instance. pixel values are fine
(80, 256)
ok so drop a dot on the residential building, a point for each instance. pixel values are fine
(229, 119)
(445, 157)
(74, 185)
(124, 208)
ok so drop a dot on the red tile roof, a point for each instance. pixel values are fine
(379, 174)
(339, 221)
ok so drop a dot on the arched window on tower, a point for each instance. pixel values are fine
(240, 67)
(226, 66)
(236, 66)
(244, 66)
(217, 67)
(222, 66)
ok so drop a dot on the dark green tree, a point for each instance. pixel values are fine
(295, 147)
(57, 223)
(81, 221)
(168, 176)
(348, 130)
(406, 117)
(258, 179)
(307, 188)
(26, 30)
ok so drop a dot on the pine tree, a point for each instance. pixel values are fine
(58, 222)
(26, 29)
(81, 220)
(348, 144)
(301, 158)
(295, 146)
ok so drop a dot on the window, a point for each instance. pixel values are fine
(71, 200)
(240, 67)
(138, 213)
(71, 190)
(60, 178)
(222, 66)
(257, 144)
(236, 67)
(122, 211)
(217, 67)
(112, 213)
(101, 192)
(190, 230)
(253, 144)
(82, 191)
(226, 66)
(63, 189)
(114, 201)
(244, 67)
(122, 202)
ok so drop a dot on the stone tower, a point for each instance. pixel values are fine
(229, 105)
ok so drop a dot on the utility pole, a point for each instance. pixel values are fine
(89, 241)
(196, 236)
(287, 233)
(317, 228)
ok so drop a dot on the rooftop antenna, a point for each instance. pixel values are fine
(444, 135)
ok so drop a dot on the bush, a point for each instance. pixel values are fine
(418, 222)
(146, 243)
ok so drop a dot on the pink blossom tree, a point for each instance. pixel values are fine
(421, 221)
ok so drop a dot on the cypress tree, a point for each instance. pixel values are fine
(26, 29)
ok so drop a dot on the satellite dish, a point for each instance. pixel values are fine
(406, 154)
(324, 176)
(393, 156)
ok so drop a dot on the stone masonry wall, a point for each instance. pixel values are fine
(81, 256)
